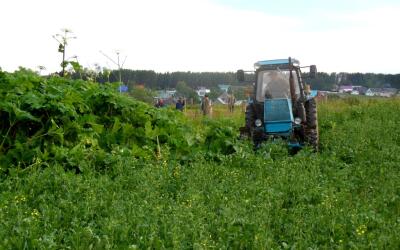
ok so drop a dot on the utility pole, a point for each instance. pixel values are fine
(62, 40)
(117, 63)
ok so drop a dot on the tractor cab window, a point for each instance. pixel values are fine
(275, 84)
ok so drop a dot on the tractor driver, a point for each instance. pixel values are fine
(276, 84)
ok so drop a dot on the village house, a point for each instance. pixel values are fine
(223, 98)
(224, 87)
(354, 90)
(383, 92)
(166, 95)
(202, 91)
(359, 90)
(345, 89)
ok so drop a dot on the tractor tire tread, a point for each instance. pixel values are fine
(312, 138)
(311, 114)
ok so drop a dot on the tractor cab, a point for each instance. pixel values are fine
(272, 84)
(273, 81)
(279, 104)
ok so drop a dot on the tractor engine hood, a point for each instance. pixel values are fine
(278, 116)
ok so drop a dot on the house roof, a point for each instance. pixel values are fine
(346, 87)
(359, 87)
(165, 94)
(224, 87)
(223, 98)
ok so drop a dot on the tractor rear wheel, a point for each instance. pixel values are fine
(312, 138)
(246, 131)
(311, 114)
(311, 130)
(249, 116)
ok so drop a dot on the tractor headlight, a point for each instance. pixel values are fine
(258, 123)
(297, 121)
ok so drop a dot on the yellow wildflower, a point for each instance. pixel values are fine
(361, 230)
(35, 213)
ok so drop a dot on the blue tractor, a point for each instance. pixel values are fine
(281, 105)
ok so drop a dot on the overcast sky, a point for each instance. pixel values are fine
(203, 35)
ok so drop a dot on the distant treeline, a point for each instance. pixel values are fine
(153, 80)
(323, 81)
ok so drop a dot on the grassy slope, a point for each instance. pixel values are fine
(347, 196)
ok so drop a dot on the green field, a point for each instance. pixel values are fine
(84, 167)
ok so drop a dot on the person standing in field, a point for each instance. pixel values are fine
(206, 105)
(160, 103)
(231, 103)
(180, 104)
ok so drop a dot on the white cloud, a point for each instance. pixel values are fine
(192, 35)
(367, 44)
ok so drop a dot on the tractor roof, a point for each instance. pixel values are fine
(276, 62)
